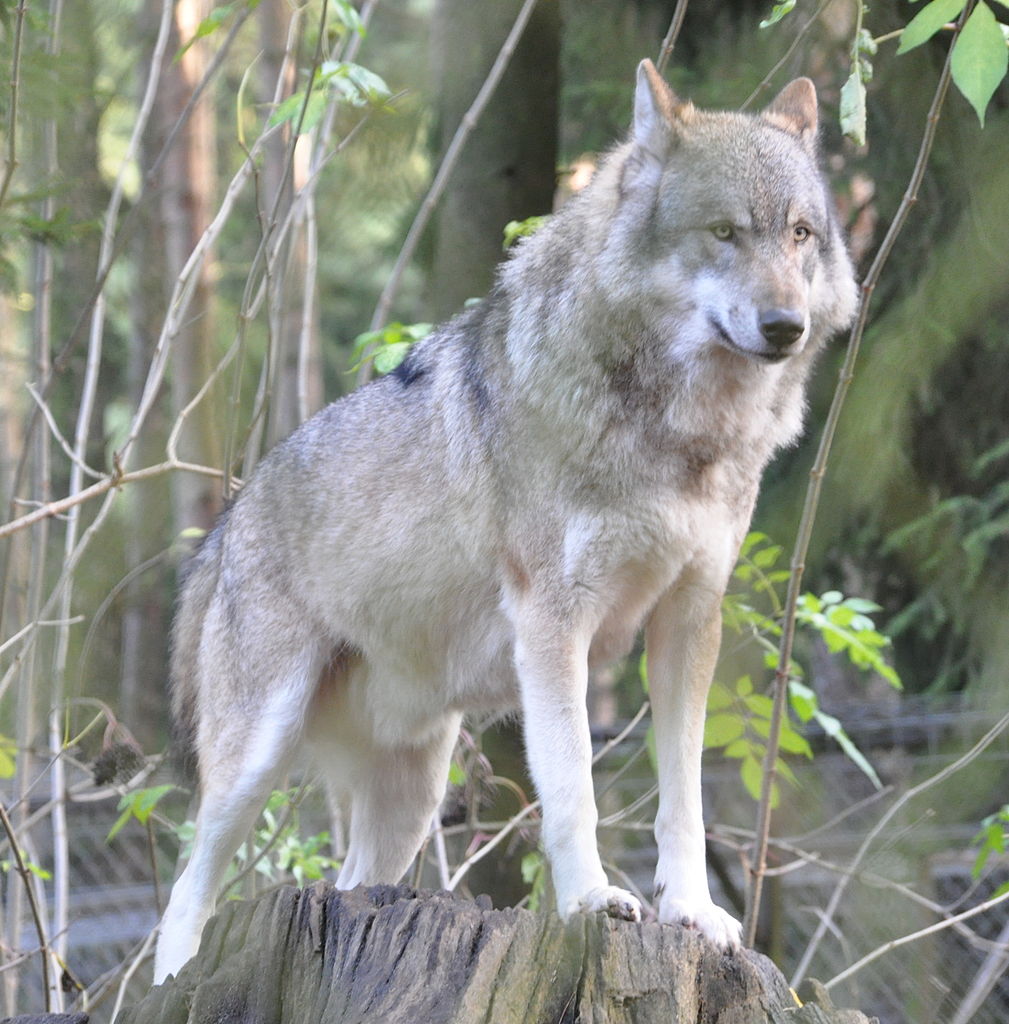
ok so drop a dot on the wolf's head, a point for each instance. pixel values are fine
(733, 221)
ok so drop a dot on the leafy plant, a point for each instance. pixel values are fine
(388, 346)
(139, 806)
(992, 838)
(739, 721)
(979, 61)
(534, 874)
(516, 229)
(741, 716)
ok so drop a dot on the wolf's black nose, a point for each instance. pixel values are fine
(782, 327)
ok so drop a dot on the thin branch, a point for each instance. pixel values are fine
(22, 870)
(816, 476)
(666, 50)
(766, 80)
(452, 154)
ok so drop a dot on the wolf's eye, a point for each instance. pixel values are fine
(801, 233)
(723, 232)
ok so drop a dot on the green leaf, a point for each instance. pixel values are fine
(778, 11)
(802, 700)
(516, 229)
(456, 774)
(853, 108)
(8, 753)
(927, 22)
(388, 357)
(980, 59)
(722, 729)
(719, 698)
(832, 727)
(139, 805)
(210, 24)
(752, 773)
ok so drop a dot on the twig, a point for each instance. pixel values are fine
(666, 50)
(22, 870)
(816, 475)
(765, 81)
(131, 970)
(452, 154)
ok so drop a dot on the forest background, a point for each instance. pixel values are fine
(215, 218)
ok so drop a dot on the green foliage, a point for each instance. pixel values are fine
(218, 16)
(777, 13)
(355, 85)
(534, 874)
(388, 346)
(852, 114)
(276, 846)
(289, 853)
(980, 57)
(979, 61)
(992, 839)
(961, 538)
(138, 805)
(8, 754)
(33, 868)
(844, 626)
(516, 229)
(739, 722)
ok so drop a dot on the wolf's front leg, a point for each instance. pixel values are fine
(553, 672)
(682, 640)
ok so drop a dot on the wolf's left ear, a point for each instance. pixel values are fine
(657, 111)
(794, 110)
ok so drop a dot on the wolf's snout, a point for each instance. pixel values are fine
(782, 327)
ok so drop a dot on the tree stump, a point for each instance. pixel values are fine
(397, 956)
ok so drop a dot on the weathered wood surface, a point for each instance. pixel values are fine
(47, 1018)
(391, 955)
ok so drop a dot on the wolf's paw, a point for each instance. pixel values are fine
(711, 921)
(610, 900)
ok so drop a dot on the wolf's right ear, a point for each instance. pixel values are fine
(657, 111)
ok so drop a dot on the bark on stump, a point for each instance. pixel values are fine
(392, 955)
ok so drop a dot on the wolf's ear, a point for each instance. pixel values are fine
(657, 112)
(794, 111)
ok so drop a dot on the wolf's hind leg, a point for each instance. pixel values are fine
(396, 792)
(241, 761)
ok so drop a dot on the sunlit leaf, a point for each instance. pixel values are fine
(980, 59)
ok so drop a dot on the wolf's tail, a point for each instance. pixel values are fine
(198, 583)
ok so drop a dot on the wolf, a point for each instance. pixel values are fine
(572, 460)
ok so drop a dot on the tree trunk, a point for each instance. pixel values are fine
(187, 196)
(510, 164)
(392, 955)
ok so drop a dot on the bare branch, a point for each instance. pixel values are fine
(22, 870)
(675, 24)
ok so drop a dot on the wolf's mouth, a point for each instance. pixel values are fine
(765, 355)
